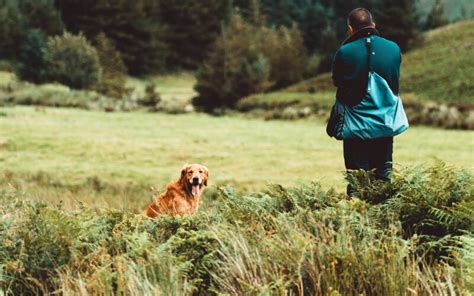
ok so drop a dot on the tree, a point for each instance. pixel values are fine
(193, 27)
(19, 16)
(42, 15)
(112, 82)
(33, 57)
(436, 17)
(249, 58)
(397, 20)
(12, 29)
(133, 26)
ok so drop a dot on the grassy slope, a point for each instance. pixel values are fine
(440, 69)
(145, 148)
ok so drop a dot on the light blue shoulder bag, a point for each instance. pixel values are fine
(379, 114)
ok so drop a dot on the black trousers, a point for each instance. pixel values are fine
(373, 154)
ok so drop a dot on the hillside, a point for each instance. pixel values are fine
(439, 69)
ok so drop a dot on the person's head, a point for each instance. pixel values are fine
(359, 18)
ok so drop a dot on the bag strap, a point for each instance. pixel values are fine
(368, 43)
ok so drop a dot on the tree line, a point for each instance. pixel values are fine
(236, 47)
(155, 36)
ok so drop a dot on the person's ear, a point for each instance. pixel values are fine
(373, 24)
(351, 30)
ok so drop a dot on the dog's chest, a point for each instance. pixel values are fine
(186, 205)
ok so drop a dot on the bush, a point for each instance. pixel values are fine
(246, 59)
(33, 58)
(73, 61)
(112, 82)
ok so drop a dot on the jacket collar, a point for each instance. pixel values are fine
(364, 32)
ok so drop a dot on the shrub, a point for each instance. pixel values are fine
(249, 58)
(435, 205)
(73, 61)
(33, 58)
(112, 82)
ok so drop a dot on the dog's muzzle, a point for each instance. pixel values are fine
(195, 186)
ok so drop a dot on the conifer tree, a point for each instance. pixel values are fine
(193, 28)
(114, 71)
(436, 17)
(33, 57)
(397, 20)
(133, 26)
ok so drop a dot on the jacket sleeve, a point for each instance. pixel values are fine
(337, 67)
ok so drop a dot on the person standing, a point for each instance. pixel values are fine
(369, 146)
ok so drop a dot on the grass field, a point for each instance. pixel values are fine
(52, 153)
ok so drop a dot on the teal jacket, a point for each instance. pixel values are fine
(368, 105)
(350, 71)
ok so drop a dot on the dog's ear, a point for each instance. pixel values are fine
(183, 170)
(206, 173)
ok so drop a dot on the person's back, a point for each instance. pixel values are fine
(350, 67)
(350, 74)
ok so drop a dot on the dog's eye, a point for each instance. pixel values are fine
(200, 172)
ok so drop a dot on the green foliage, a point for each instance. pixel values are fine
(12, 29)
(397, 20)
(193, 26)
(33, 58)
(281, 241)
(42, 15)
(73, 61)
(135, 28)
(112, 82)
(435, 205)
(21, 16)
(436, 17)
(247, 59)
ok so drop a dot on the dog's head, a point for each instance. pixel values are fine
(194, 177)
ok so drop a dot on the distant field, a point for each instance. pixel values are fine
(179, 86)
(53, 152)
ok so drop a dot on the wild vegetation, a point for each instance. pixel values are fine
(414, 236)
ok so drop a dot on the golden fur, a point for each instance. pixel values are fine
(181, 197)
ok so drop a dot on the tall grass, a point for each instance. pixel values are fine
(293, 241)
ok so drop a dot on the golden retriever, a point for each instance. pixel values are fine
(183, 196)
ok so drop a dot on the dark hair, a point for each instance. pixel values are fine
(359, 18)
